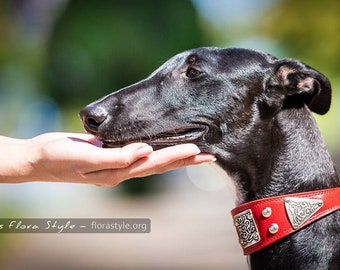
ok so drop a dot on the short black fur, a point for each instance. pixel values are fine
(253, 111)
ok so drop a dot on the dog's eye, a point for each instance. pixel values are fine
(193, 73)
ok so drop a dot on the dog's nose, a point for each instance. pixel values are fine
(92, 117)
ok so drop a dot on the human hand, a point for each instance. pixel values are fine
(78, 158)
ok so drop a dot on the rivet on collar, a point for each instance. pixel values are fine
(273, 228)
(267, 212)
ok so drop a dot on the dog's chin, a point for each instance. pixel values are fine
(161, 140)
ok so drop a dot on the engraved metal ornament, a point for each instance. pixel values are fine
(246, 228)
(299, 210)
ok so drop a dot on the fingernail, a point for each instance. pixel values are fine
(144, 150)
(198, 150)
(208, 157)
(194, 147)
(212, 158)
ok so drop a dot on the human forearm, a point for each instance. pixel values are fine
(15, 156)
(77, 158)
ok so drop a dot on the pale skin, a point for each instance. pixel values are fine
(79, 158)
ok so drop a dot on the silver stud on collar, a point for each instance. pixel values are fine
(273, 228)
(267, 212)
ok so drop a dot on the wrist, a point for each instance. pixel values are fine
(17, 159)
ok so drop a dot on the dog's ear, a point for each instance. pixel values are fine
(295, 83)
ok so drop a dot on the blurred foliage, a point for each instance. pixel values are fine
(100, 46)
(309, 30)
(97, 47)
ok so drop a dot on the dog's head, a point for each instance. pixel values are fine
(202, 96)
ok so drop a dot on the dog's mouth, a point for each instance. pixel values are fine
(161, 140)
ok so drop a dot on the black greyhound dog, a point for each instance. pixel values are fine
(253, 112)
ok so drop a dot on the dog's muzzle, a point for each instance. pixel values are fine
(96, 120)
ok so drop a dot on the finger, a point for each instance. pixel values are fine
(158, 162)
(112, 178)
(194, 160)
(109, 174)
(151, 165)
(116, 158)
(163, 157)
(173, 153)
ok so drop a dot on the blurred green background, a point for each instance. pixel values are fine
(57, 56)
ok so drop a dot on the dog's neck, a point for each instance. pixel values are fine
(289, 156)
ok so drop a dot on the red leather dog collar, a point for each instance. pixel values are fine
(262, 222)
